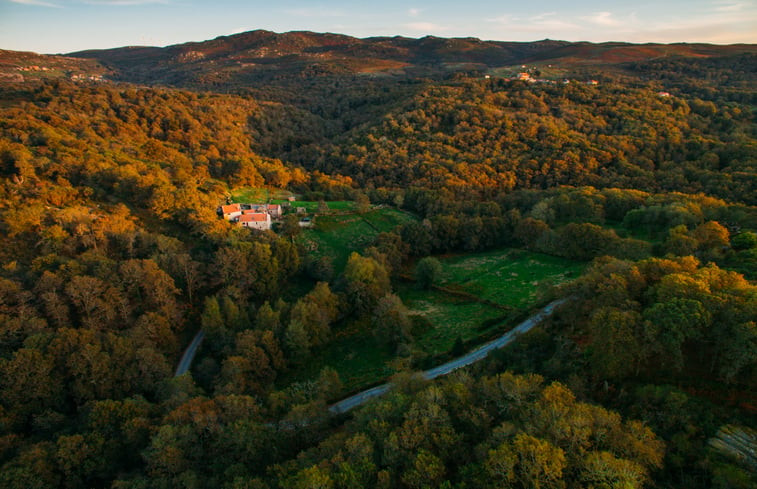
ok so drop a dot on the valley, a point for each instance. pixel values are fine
(423, 205)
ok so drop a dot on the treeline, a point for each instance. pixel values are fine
(577, 223)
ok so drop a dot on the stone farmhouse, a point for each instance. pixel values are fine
(253, 216)
(255, 220)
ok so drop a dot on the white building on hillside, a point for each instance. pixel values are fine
(231, 212)
(274, 210)
(256, 220)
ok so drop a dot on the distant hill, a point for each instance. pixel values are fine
(18, 66)
(259, 56)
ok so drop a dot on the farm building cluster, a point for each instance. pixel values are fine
(253, 216)
(262, 216)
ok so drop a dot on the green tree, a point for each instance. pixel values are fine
(617, 349)
(297, 342)
(669, 324)
(603, 470)
(366, 281)
(540, 464)
(290, 226)
(426, 471)
(427, 272)
(316, 311)
(390, 320)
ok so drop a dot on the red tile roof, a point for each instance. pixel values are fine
(255, 217)
(228, 209)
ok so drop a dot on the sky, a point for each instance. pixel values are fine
(62, 26)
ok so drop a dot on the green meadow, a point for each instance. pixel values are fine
(481, 295)
(338, 235)
(510, 277)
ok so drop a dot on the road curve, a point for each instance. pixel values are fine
(189, 354)
(474, 356)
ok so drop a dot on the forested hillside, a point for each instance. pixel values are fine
(427, 209)
(480, 137)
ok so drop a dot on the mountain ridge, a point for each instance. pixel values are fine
(260, 54)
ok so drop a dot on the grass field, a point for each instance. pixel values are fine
(312, 206)
(448, 317)
(339, 235)
(510, 277)
(515, 279)
(255, 195)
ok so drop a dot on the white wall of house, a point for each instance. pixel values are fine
(259, 225)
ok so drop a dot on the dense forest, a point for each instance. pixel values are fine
(114, 256)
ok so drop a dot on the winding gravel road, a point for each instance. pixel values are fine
(189, 354)
(474, 356)
(362, 397)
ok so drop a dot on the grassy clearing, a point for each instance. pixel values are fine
(311, 206)
(510, 277)
(448, 317)
(387, 219)
(255, 195)
(624, 232)
(339, 235)
(514, 278)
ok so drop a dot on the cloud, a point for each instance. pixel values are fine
(726, 22)
(414, 12)
(425, 27)
(602, 18)
(504, 19)
(542, 17)
(723, 29)
(36, 3)
(722, 22)
(547, 23)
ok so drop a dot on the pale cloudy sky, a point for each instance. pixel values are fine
(60, 26)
